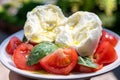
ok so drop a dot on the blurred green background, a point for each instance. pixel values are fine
(13, 12)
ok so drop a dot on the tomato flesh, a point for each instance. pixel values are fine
(105, 53)
(20, 57)
(62, 61)
(106, 36)
(12, 44)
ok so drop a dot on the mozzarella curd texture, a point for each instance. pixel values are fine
(41, 22)
(82, 30)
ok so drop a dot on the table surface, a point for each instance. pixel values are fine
(6, 74)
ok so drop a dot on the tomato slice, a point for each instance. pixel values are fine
(105, 53)
(62, 61)
(86, 69)
(106, 36)
(20, 57)
(12, 44)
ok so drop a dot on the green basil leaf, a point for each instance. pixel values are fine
(40, 51)
(85, 61)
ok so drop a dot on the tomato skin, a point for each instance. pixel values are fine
(105, 53)
(85, 69)
(62, 61)
(20, 57)
(106, 36)
(12, 45)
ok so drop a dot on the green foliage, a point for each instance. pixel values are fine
(107, 10)
(17, 18)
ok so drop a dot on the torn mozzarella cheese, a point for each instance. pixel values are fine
(41, 22)
(82, 30)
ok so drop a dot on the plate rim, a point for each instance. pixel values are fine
(27, 73)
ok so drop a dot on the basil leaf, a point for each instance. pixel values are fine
(40, 51)
(85, 61)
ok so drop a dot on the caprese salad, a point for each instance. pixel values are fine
(61, 45)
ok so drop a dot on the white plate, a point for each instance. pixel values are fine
(7, 61)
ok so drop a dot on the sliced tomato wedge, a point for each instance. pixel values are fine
(106, 36)
(62, 61)
(20, 57)
(105, 53)
(12, 44)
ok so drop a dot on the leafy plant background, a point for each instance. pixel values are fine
(13, 12)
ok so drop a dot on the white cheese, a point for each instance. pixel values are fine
(41, 22)
(82, 30)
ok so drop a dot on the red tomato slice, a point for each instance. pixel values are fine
(105, 53)
(12, 44)
(62, 61)
(106, 36)
(32, 43)
(85, 69)
(20, 57)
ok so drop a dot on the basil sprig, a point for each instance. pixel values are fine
(85, 61)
